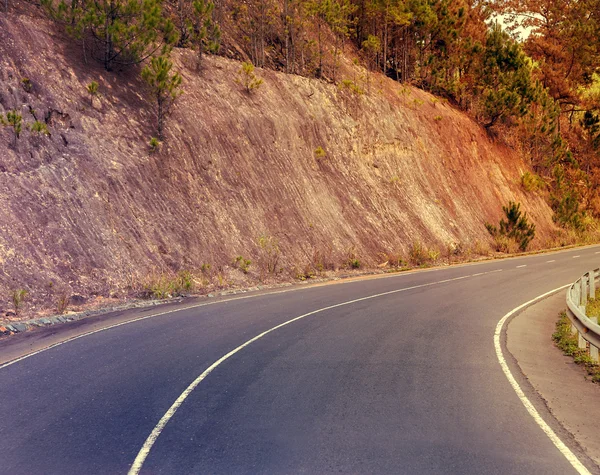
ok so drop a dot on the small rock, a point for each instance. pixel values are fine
(45, 321)
(77, 300)
(10, 314)
(11, 328)
(210, 296)
(20, 327)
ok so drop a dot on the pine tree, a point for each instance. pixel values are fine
(204, 31)
(164, 86)
(123, 32)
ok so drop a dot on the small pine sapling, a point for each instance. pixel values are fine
(164, 86)
(92, 89)
(247, 78)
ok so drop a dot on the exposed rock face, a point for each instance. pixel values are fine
(91, 209)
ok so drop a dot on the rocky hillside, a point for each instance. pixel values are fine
(90, 209)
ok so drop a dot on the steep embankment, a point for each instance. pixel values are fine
(90, 209)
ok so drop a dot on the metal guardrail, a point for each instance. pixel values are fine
(587, 328)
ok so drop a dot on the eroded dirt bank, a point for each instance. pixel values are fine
(89, 210)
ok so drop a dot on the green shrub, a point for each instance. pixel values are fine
(515, 227)
(62, 303)
(165, 286)
(242, 264)
(320, 153)
(92, 89)
(15, 120)
(27, 85)
(247, 78)
(39, 127)
(307, 273)
(531, 182)
(418, 253)
(567, 342)
(154, 144)
(18, 298)
(269, 254)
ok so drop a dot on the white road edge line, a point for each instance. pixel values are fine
(553, 260)
(524, 265)
(560, 445)
(145, 450)
(575, 257)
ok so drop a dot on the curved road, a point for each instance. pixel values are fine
(404, 382)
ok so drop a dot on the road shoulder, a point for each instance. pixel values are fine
(572, 400)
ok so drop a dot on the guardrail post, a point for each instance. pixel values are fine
(571, 317)
(593, 350)
(582, 291)
(592, 284)
(581, 343)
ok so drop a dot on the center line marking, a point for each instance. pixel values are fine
(575, 257)
(145, 450)
(553, 260)
(524, 265)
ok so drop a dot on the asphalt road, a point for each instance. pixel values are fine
(406, 382)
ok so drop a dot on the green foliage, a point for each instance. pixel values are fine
(420, 255)
(205, 268)
(590, 123)
(269, 253)
(204, 32)
(92, 89)
(515, 227)
(62, 303)
(568, 344)
(242, 264)
(247, 78)
(307, 273)
(352, 87)
(165, 286)
(123, 32)
(154, 144)
(565, 201)
(506, 80)
(39, 127)
(15, 120)
(26, 84)
(164, 86)
(18, 297)
(532, 182)
(320, 153)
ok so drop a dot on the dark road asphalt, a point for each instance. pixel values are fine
(407, 382)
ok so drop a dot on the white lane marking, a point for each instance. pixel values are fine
(575, 257)
(54, 345)
(560, 445)
(524, 265)
(597, 252)
(145, 450)
(553, 260)
(204, 304)
(175, 310)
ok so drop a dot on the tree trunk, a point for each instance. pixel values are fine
(160, 103)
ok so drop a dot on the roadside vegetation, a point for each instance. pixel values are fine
(567, 343)
(514, 232)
